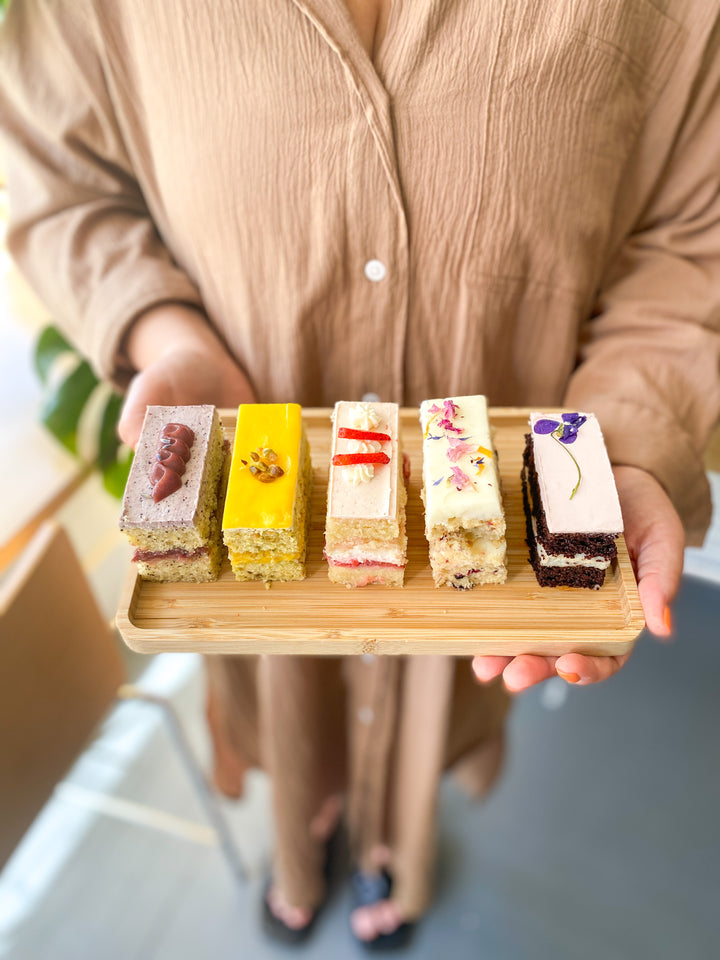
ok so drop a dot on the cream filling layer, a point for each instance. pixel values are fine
(358, 553)
(560, 560)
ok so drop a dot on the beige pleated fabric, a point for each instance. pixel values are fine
(539, 182)
(381, 730)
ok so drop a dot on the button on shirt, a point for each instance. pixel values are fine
(375, 270)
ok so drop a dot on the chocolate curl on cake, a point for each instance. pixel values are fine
(173, 454)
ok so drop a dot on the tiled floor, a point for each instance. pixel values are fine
(602, 840)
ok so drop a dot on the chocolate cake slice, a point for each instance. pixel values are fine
(572, 509)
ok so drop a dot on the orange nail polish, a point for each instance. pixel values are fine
(667, 618)
(570, 677)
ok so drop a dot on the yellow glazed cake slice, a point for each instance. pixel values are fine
(464, 519)
(266, 517)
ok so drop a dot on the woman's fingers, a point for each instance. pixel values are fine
(655, 541)
(518, 673)
(527, 670)
(489, 668)
(576, 668)
(133, 412)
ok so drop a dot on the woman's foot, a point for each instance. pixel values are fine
(382, 918)
(322, 826)
(377, 920)
(295, 918)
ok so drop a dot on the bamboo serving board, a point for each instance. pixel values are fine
(318, 617)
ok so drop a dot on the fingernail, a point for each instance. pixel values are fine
(667, 618)
(570, 677)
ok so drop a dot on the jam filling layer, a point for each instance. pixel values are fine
(364, 563)
(148, 556)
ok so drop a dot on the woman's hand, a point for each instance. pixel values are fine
(655, 542)
(181, 361)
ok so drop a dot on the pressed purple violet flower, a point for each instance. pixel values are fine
(571, 423)
(546, 426)
(564, 431)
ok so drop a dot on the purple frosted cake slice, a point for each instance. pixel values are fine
(571, 504)
(170, 507)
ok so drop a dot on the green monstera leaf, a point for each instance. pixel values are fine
(81, 411)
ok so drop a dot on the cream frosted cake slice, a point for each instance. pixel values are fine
(365, 540)
(170, 506)
(571, 504)
(266, 516)
(464, 518)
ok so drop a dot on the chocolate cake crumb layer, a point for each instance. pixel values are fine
(595, 546)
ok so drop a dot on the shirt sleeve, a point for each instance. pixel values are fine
(650, 359)
(79, 226)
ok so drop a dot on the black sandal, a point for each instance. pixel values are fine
(274, 927)
(369, 888)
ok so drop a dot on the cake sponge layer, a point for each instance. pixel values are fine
(363, 576)
(284, 570)
(200, 567)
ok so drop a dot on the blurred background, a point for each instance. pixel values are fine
(602, 840)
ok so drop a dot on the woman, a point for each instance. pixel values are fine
(312, 200)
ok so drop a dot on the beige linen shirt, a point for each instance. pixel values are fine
(538, 180)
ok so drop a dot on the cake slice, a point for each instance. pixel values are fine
(464, 518)
(170, 505)
(365, 540)
(266, 517)
(571, 504)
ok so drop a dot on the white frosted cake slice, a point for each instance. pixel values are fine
(365, 540)
(464, 518)
(170, 506)
(571, 505)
